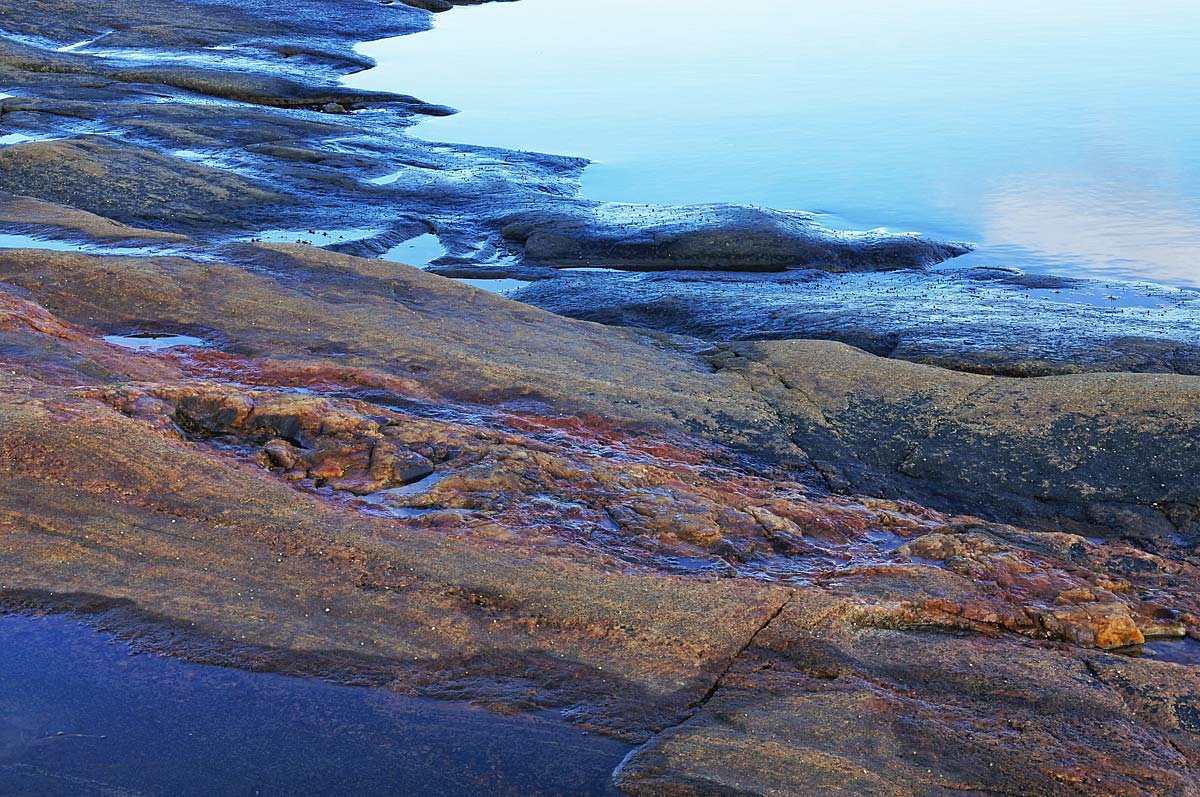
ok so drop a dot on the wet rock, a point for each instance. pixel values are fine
(999, 322)
(303, 437)
(716, 237)
(130, 183)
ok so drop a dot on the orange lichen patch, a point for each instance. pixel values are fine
(1053, 585)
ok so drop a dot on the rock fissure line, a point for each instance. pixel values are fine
(780, 417)
(937, 425)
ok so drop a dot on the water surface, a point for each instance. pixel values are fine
(1060, 136)
(150, 341)
(81, 716)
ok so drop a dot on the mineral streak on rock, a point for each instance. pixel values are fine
(783, 567)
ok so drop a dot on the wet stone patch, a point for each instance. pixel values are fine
(313, 237)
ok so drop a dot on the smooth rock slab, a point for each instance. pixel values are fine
(822, 703)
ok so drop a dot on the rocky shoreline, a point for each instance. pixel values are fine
(780, 565)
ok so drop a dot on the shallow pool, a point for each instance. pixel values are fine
(24, 241)
(500, 286)
(81, 716)
(148, 341)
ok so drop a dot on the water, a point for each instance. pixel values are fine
(80, 716)
(1059, 136)
(1177, 651)
(147, 341)
(20, 138)
(500, 286)
(422, 250)
(419, 251)
(23, 241)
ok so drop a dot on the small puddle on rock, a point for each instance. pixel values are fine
(418, 252)
(387, 179)
(1112, 296)
(503, 287)
(151, 342)
(22, 241)
(21, 138)
(83, 716)
(1176, 651)
(886, 541)
(16, 241)
(415, 488)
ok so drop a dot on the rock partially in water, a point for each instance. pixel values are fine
(720, 237)
(980, 320)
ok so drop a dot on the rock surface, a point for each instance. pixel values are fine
(582, 541)
(782, 566)
(991, 320)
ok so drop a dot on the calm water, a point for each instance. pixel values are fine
(81, 717)
(1061, 136)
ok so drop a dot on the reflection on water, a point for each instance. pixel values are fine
(1059, 135)
(80, 716)
(1107, 227)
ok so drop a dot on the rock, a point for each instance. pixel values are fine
(1089, 453)
(751, 557)
(951, 317)
(130, 183)
(713, 237)
(823, 704)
